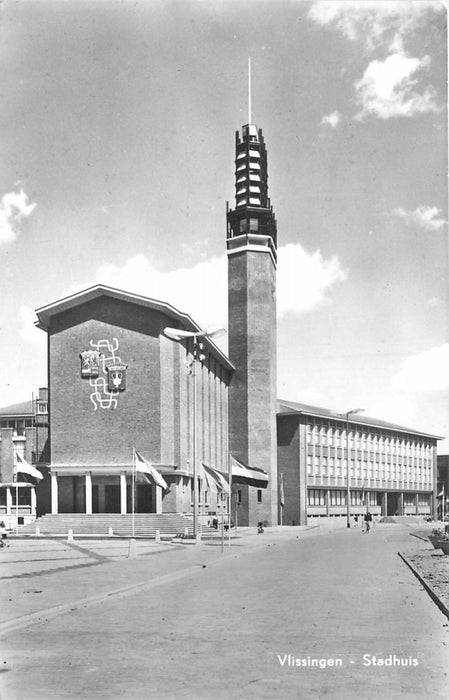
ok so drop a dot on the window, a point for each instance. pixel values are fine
(259, 495)
(253, 224)
(337, 498)
(315, 497)
(309, 464)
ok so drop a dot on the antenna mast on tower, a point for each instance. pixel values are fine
(249, 89)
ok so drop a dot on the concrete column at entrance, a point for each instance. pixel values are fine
(88, 486)
(54, 494)
(401, 504)
(416, 504)
(158, 499)
(326, 501)
(123, 493)
(33, 501)
(384, 504)
(8, 501)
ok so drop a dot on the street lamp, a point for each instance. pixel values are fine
(178, 335)
(348, 474)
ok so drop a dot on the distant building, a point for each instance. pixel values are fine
(392, 469)
(23, 434)
(442, 487)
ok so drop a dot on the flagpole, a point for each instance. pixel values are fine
(17, 500)
(281, 505)
(133, 487)
(229, 498)
(444, 498)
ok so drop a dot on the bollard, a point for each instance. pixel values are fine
(110, 532)
(38, 531)
(70, 536)
(158, 536)
(132, 552)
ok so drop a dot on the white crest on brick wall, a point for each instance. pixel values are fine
(102, 395)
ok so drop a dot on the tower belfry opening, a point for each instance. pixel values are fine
(253, 213)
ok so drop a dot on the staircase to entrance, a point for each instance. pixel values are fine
(145, 524)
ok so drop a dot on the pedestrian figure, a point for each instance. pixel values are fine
(368, 518)
(260, 529)
(356, 520)
(3, 535)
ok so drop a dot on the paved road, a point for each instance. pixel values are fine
(235, 628)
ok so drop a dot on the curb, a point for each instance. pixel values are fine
(426, 586)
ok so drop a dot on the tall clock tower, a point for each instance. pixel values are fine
(252, 254)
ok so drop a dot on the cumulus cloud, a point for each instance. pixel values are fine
(373, 22)
(303, 283)
(387, 88)
(395, 409)
(332, 120)
(28, 330)
(304, 279)
(426, 371)
(423, 216)
(14, 207)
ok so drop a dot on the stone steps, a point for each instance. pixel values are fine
(145, 524)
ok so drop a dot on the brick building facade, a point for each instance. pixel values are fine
(95, 425)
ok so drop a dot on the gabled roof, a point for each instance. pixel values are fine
(45, 313)
(17, 409)
(291, 407)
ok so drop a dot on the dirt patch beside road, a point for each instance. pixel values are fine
(431, 566)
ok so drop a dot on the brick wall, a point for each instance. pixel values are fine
(252, 394)
(154, 414)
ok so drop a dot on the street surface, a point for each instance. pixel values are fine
(288, 614)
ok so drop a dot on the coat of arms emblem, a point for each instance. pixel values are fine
(90, 363)
(117, 377)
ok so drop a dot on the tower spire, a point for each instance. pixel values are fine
(249, 89)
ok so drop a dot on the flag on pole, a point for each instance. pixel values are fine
(27, 471)
(242, 474)
(148, 473)
(362, 502)
(441, 494)
(281, 491)
(215, 477)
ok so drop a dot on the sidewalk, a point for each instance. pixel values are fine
(45, 574)
(187, 622)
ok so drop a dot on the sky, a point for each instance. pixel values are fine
(117, 138)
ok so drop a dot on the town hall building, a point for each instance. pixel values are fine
(135, 378)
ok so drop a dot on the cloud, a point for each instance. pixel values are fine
(426, 371)
(332, 120)
(373, 22)
(395, 409)
(28, 330)
(387, 88)
(13, 208)
(423, 216)
(304, 279)
(303, 282)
